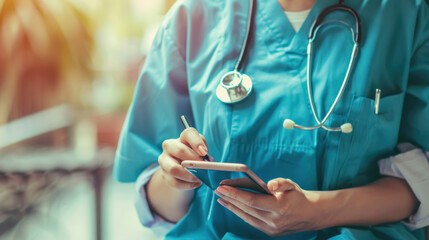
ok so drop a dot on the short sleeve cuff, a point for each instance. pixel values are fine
(147, 218)
(413, 167)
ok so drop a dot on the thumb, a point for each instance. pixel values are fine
(282, 185)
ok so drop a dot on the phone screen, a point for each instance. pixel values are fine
(215, 178)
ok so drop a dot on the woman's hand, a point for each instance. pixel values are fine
(189, 146)
(168, 191)
(288, 210)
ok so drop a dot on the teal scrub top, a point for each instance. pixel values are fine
(200, 40)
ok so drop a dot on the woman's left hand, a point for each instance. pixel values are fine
(288, 210)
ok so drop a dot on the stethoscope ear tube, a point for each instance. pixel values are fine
(338, 7)
(346, 127)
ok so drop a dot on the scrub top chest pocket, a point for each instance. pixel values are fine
(374, 136)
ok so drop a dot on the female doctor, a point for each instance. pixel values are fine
(345, 195)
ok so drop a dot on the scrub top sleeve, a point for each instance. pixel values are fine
(415, 115)
(161, 96)
(147, 218)
(412, 166)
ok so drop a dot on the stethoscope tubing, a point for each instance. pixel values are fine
(223, 90)
(337, 98)
(246, 37)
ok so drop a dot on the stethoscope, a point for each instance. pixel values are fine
(235, 86)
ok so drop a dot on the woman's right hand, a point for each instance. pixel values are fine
(173, 204)
(189, 146)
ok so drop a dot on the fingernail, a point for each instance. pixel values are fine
(275, 185)
(222, 202)
(202, 150)
(219, 194)
(198, 184)
(222, 190)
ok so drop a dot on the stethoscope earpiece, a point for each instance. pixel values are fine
(346, 128)
(288, 124)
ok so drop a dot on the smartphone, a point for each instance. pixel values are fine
(238, 175)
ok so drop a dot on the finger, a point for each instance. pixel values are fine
(254, 200)
(210, 158)
(179, 150)
(179, 184)
(255, 222)
(204, 139)
(257, 213)
(171, 167)
(192, 137)
(281, 185)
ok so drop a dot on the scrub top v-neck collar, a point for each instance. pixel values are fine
(281, 29)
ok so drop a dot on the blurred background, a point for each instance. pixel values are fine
(67, 74)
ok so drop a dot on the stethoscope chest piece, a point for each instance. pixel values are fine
(233, 87)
